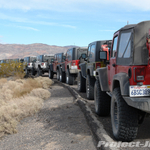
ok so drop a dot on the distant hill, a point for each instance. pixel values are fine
(8, 51)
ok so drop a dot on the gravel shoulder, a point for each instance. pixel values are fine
(60, 125)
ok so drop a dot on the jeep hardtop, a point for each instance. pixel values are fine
(126, 79)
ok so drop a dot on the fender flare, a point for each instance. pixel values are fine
(83, 69)
(51, 67)
(58, 67)
(90, 70)
(102, 75)
(63, 67)
(123, 80)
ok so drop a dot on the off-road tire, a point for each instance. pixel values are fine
(81, 83)
(26, 71)
(39, 72)
(50, 74)
(58, 77)
(102, 100)
(33, 72)
(124, 118)
(69, 78)
(90, 81)
(62, 76)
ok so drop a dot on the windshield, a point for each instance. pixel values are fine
(33, 58)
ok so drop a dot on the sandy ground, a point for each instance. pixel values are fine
(60, 125)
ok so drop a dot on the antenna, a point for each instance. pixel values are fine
(127, 22)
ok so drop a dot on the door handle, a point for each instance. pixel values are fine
(114, 65)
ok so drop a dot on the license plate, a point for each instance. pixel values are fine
(136, 91)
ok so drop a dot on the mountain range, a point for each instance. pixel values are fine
(9, 51)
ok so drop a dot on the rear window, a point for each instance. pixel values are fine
(59, 58)
(69, 54)
(47, 58)
(33, 58)
(81, 51)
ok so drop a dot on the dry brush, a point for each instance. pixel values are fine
(19, 99)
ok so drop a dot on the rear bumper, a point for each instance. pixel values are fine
(142, 103)
(74, 70)
(45, 69)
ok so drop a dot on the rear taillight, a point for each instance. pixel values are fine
(139, 74)
(42, 64)
(28, 64)
(98, 65)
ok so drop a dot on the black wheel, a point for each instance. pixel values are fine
(51, 74)
(58, 77)
(81, 83)
(26, 71)
(102, 100)
(90, 87)
(39, 72)
(62, 76)
(124, 118)
(33, 72)
(69, 78)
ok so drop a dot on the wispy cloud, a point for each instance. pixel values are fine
(71, 5)
(24, 20)
(27, 28)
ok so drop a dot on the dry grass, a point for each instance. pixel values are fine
(19, 99)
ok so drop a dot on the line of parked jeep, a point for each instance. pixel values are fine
(114, 73)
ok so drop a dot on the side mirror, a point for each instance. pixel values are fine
(103, 55)
(83, 56)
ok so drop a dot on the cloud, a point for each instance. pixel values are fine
(10, 18)
(27, 28)
(24, 20)
(73, 5)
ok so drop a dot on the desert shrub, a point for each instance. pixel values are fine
(19, 99)
(12, 68)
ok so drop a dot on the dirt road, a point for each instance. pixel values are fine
(60, 125)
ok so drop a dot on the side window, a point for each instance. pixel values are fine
(89, 51)
(114, 47)
(59, 58)
(28, 59)
(55, 57)
(69, 55)
(38, 58)
(92, 53)
(124, 49)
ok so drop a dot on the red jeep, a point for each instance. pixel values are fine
(54, 66)
(70, 68)
(126, 79)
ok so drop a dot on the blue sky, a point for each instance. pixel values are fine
(67, 22)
